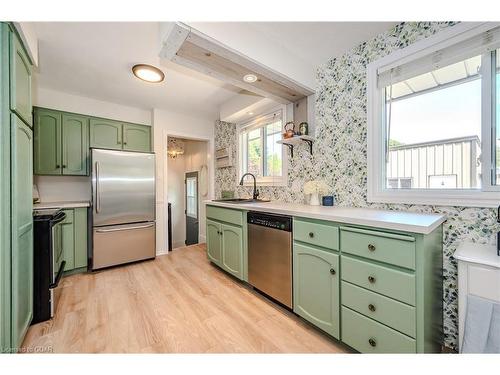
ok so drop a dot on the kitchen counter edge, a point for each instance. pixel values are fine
(404, 221)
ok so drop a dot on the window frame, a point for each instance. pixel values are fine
(489, 194)
(259, 121)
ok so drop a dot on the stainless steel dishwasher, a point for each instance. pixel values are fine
(270, 255)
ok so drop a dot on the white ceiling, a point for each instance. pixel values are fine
(94, 60)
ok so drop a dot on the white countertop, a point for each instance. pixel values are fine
(66, 204)
(476, 253)
(398, 220)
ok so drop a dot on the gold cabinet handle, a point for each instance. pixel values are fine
(371, 247)
(311, 234)
(372, 307)
(371, 279)
(372, 342)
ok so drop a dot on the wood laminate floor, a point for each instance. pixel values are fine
(176, 303)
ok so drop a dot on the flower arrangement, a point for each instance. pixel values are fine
(314, 189)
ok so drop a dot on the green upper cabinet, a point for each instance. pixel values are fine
(115, 135)
(105, 134)
(75, 145)
(136, 137)
(316, 287)
(22, 229)
(20, 81)
(47, 142)
(61, 143)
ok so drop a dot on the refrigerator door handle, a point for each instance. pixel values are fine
(126, 228)
(97, 193)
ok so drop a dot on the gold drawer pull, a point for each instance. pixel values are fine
(371, 307)
(371, 247)
(311, 234)
(371, 279)
(332, 271)
(372, 342)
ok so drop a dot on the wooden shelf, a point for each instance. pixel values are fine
(293, 141)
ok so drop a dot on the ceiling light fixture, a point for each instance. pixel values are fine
(250, 78)
(148, 73)
(250, 113)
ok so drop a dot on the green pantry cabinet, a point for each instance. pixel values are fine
(62, 140)
(16, 167)
(376, 290)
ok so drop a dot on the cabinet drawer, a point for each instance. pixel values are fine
(385, 247)
(385, 310)
(316, 234)
(367, 336)
(225, 214)
(384, 280)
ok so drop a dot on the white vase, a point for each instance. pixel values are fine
(314, 200)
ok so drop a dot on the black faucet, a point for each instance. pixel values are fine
(255, 191)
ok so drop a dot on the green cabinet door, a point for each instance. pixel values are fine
(232, 249)
(136, 137)
(22, 229)
(20, 81)
(68, 240)
(80, 233)
(75, 145)
(316, 287)
(105, 134)
(214, 245)
(47, 142)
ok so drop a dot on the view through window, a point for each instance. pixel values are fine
(433, 123)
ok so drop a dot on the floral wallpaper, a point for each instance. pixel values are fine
(340, 155)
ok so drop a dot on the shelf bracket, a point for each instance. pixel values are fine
(310, 143)
(290, 147)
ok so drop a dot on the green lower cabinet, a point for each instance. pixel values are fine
(368, 336)
(22, 230)
(214, 244)
(316, 287)
(226, 246)
(232, 249)
(74, 239)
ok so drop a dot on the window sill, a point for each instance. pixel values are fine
(457, 198)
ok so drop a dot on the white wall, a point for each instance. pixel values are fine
(63, 188)
(166, 124)
(54, 99)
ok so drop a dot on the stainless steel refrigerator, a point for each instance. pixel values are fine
(123, 206)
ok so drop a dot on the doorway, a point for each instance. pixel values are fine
(191, 212)
(187, 188)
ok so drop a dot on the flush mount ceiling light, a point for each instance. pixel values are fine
(148, 73)
(250, 78)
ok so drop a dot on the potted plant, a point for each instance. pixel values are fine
(315, 189)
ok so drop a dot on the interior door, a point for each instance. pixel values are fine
(191, 193)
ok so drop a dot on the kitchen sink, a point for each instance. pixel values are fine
(241, 200)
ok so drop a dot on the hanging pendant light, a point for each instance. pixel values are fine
(175, 147)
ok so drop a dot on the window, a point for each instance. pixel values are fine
(259, 152)
(433, 128)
